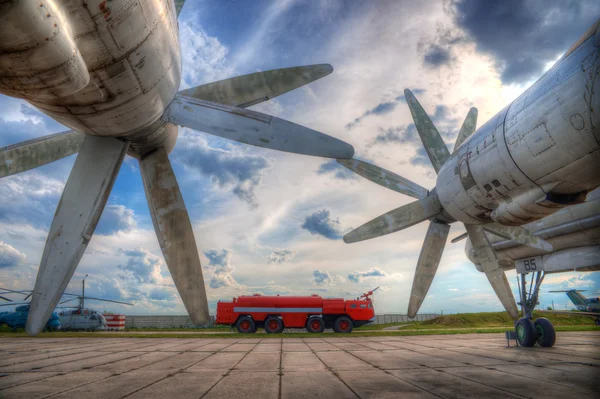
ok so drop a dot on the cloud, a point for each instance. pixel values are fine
(323, 277)
(280, 256)
(336, 170)
(220, 263)
(114, 219)
(228, 168)
(142, 266)
(382, 108)
(204, 58)
(320, 223)
(399, 134)
(10, 256)
(436, 56)
(523, 36)
(358, 276)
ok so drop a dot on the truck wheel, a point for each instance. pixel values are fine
(546, 336)
(315, 325)
(246, 325)
(273, 325)
(343, 324)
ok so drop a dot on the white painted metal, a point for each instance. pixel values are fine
(254, 128)
(30, 154)
(427, 265)
(174, 231)
(570, 259)
(78, 212)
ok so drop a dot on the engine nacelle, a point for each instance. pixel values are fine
(39, 59)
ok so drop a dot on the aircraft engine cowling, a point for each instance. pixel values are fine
(39, 59)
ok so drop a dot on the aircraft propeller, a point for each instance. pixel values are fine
(428, 207)
(217, 108)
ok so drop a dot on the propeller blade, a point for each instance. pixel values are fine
(254, 128)
(174, 231)
(429, 260)
(79, 209)
(385, 178)
(460, 237)
(432, 141)
(397, 219)
(6, 299)
(494, 273)
(30, 154)
(520, 235)
(107, 300)
(247, 90)
(467, 129)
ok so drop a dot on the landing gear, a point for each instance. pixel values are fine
(546, 336)
(529, 332)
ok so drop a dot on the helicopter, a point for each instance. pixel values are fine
(18, 318)
(71, 318)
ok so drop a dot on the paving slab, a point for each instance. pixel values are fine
(469, 366)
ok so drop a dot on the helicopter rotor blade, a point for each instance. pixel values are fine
(107, 300)
(68, 300)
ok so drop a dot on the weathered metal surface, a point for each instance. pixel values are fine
(77, 214)
(429, 260)
(397, 219)
(494, 273)
(175, 234)
(518, 234)
(247, 90)
(254, 128)
(128, 51)
(385, 178)
(30, 154)
(39, 59)
(432, 141)
(468, 128)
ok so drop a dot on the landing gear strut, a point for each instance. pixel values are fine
(530, 332)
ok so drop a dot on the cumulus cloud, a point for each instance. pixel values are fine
(336, 170)
(524, 36)
(323, 277)
(114, 219)
(228, 168)
(10, 256)
(358, 276)
(403, 134)
(280, 256)
(321, 223)
(438, 51)
(204, 57)
(220, 263)
(142, 266)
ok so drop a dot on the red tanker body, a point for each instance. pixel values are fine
(274, 313)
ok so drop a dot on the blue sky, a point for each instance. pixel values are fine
(272, 222)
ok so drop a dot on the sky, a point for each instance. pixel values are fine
(270, 222)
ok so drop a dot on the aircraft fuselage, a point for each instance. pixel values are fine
(105, 68)
(536, 156)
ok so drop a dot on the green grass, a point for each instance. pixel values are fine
(462, 323)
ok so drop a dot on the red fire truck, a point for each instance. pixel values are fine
(274, 313)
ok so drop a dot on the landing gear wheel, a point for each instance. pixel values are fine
(273, 325)
(546, 336)
(343, 324)
(315, 325)
(246, 325)
(526, 335)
